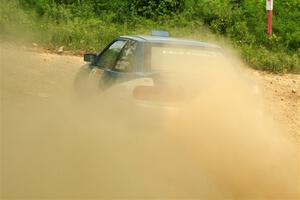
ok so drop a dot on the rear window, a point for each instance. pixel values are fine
(169, 58)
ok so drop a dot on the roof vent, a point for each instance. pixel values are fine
(160, 33)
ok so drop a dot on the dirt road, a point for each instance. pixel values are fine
(49, 150)
(55, 73)
(282, 98)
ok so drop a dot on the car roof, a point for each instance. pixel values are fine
(170, 40)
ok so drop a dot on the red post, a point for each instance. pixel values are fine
(269, 8)
(270, 23)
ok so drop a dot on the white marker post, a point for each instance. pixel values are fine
(269, 8)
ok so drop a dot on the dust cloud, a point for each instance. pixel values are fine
(218, 143)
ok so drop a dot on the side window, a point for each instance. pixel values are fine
(126, 59)
(109, 56)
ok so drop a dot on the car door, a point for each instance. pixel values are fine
(106, 60)
(89, 77)
(124, 66)
(125, 75)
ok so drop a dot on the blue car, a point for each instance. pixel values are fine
(149, 68)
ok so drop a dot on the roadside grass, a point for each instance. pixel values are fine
(91, 34)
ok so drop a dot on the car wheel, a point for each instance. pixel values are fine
(86, 81)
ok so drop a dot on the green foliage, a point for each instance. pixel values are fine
(154, 9)
(278, 62)
(90, 24)
(14, 22)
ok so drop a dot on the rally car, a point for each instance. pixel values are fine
(152, 68)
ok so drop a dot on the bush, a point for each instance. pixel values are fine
(91, 24)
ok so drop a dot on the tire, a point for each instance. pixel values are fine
(87, 80)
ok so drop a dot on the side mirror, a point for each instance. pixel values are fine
(89, 57)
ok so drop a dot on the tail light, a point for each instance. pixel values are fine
(142, 92)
